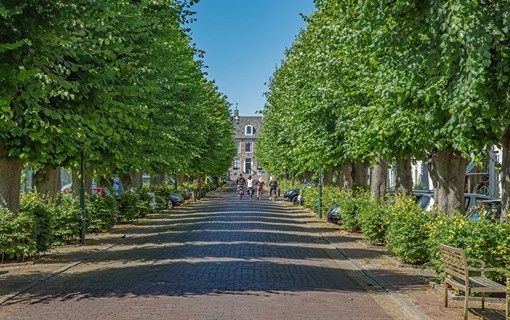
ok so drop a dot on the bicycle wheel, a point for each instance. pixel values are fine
(483, 190)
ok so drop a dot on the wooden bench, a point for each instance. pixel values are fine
(457, 275)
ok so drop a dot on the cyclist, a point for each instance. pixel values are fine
(260, 187)
(240, 182)
(273, 185)
(249, 185)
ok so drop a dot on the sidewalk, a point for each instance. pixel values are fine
(15, 278)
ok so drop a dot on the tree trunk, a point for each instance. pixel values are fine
(345, 177)
(76, 184)
(137, 179)
(157, 180)
(404, 183)
(449, 169)
(10, 182)
(127, 181)
(433, 173)
(307, 176)
(88, 183)
(360, 173)
(378, 178)
(104, 182)
(505, 176)
(328, 177)
(180, 178)
(47, 181)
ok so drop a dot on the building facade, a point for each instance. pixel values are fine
(246, 132)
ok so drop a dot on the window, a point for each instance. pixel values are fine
(236, 164)
(248, 130)
(238, 145)
(248, 146)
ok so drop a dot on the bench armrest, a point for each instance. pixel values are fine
(480, 268)
(480, 262)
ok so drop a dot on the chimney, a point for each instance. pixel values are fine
(236, 114)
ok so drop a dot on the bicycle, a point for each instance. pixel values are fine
(483, 190)
(272, 195)
(240, 192)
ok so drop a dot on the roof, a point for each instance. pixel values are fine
(239, 125)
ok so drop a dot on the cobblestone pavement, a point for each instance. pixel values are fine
(221, 258)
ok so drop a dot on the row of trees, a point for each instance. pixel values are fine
(116, 81)
(370, 82)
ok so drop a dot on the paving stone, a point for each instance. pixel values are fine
(221, 258)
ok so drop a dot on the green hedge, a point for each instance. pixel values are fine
(483, 239)
(43, 222)
(373, 219)
(102, 213)
(132, 205)
(16, 235)
(407, 234)
(412, 234)
(66, 219)
(39, 210)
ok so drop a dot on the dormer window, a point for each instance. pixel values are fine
(248, 130)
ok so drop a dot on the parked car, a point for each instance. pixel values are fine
(485, 209)
(475, 205)
(102, 192)
(188, 193)
(421, 196)
(333, 214)
(292, 195)
(174, 200)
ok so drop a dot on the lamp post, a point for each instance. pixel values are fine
(284, 177)
(319, 208)
(83, 212)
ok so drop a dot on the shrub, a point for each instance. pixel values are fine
(350, 204)
(407, 234)
(330, 196)
(373, 219)
(101, 213)
(16, 235)
(135, 204)
(483, 239)
(66, 219)
(39, 209)
(310, 197)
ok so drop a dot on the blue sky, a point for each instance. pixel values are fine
(244, 41)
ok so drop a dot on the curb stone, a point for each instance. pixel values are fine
(370, 281)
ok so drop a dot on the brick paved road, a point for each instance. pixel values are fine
(218, 259)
